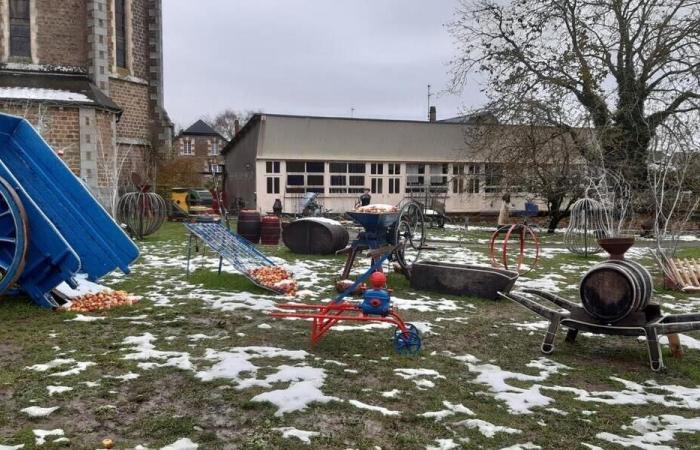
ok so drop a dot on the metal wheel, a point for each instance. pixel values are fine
(408, 342)
(14, 235)
(409, 235)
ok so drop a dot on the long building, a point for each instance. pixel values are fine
(284, 157)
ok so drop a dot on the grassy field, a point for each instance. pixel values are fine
(200, 362)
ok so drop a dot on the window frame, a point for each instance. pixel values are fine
(187, 147)
(306, 176)
(214, 148)
(351, 170)
(17, 25)
(121, 34)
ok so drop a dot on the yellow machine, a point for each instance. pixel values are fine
(186, 202)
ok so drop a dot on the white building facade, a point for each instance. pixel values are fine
(284, 157)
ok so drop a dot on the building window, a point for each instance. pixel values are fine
(214, 148)
(466, 178)
(347, 178)
(438, 177)
(376, 169)
(394, 185)
(120, 30)
(20, 29)
(187, 147)
(415, 178)
(305, 176)
(377, 185)
(493, 178)
(215, 168)
(272, 167)
(394, 169)
(273, 185)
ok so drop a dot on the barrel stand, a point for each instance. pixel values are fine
(648, 322)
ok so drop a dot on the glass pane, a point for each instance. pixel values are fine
(315, 167)
(338, 180)
(314, 180)
(338, 167)
(277, 185)
(296, 166)
(276, 166)
(295, 180)
(356, 180)
(356, 168)
(268, 167)
(269, 186)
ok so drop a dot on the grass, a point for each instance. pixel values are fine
(165, 403)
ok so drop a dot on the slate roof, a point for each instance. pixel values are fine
(64, 89)
(200, 128)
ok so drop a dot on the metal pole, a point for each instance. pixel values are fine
(189, 253)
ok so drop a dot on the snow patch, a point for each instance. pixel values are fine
(38, 411)
(487, 428)
(291, 432)
(380, 409)
(41, 435)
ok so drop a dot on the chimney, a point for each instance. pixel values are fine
(432, 114)
(236, 127)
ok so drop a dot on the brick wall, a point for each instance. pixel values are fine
(62, 32)
(133, 99)
(60, 127)
(139, 38)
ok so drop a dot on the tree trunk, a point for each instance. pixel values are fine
(555, 213)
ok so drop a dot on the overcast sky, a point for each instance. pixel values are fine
(309, 57)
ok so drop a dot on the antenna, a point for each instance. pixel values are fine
(352, 112)
(429, 95)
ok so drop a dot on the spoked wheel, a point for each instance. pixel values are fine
(14, 235)
(409, 235)
(408, 342)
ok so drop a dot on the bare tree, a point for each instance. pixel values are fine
(538, 159)
(111, 163)
(224, 122)
(674, 179)
(627, 66)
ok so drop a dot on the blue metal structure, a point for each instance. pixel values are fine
(233, 247)
(51, 226)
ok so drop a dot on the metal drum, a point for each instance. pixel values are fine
(270, 230)
(249, 225)
(613, 289)
(315, 236)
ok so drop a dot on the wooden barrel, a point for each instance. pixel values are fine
(613, 289)
(315, 236)
(249, 225)
(270, 230)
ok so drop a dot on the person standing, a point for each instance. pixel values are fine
(504, 213)
(365, 199)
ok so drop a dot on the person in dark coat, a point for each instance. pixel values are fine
(365, 199)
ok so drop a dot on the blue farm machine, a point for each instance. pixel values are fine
(51, 227)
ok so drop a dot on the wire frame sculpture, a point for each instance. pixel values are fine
(587, 224)
(142, 212)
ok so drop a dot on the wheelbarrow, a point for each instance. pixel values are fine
(51, 227)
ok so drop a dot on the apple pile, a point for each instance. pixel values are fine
(377, 209)
(275, 278)
(106, 299)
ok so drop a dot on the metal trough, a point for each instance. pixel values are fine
(458, 279)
